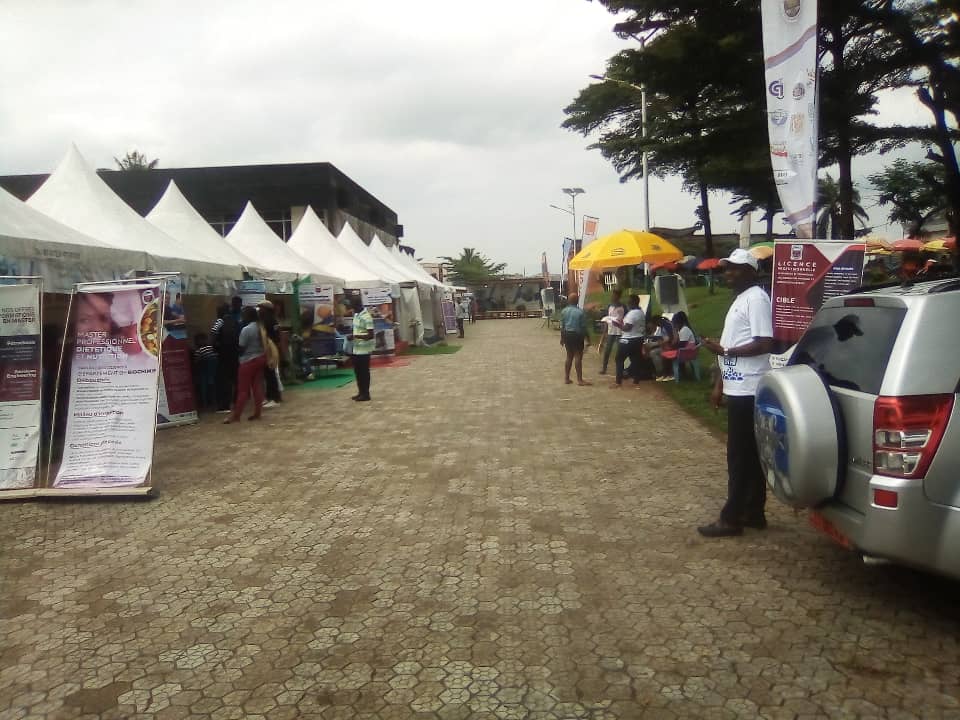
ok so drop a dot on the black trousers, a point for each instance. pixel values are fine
(361, 369)
(746, 486)
(460, 326)
(273, 385)
(610, 343)
(632, 349)
(227, 369)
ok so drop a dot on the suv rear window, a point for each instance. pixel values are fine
(850, 346)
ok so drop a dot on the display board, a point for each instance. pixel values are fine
(805, 274)
(20, 370)
(114, 380)
(252, 292)
(177, 403)
(317, 317)
(380, 304)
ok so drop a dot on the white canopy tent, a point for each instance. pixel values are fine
(254, 238)
(314, 242)
(33, 244)
(351, 242)
(174, 214)
(76, 196)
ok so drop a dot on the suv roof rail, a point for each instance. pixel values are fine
(947, 286)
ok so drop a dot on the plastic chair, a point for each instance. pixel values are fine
(687, 353)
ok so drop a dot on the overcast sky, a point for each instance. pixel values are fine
(449, 113)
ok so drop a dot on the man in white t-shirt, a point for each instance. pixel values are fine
(744, 356)
(615, 311)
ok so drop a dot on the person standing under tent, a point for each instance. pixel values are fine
(462, 313)
(224, 337)
(744, 356)
(574, 336)
(611, 339)
(363, 344)
(271, 376)
(253, 360)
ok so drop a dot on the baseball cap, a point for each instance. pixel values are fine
(741, 257)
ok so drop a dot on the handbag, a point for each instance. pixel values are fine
(269, 350)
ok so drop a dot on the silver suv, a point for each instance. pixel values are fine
(863, 425)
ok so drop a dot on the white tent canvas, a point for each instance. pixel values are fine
(351, 242)
(314, 241)
(174, 214)
(254, 238)
(33, 244)
(76, 196)
(379, 250)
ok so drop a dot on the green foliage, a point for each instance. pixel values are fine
(135, 160)
(472, 268)
(916, 190)
(829, 209)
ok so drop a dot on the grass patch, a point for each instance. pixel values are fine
(707, 313)
(432, 350)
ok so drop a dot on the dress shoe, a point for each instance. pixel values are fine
(362, 398)
(756, 524)
(720, 529)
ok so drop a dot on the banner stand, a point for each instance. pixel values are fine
(140, 490)
(31, 492)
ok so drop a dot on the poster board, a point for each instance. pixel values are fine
(806, 273)
(252, 292)
(20, 385)
(318, 321)
(380, 304)
(114, 388)
(177, 403)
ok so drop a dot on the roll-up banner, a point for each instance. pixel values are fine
(380, 304)
(177, 404)
(807, 273)
(19, 385)
(114, 377)
(790, 62)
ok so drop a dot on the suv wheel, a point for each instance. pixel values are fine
(799, 436)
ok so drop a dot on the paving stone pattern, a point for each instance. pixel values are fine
(481, 541)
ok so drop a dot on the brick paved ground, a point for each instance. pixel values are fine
(479, 542)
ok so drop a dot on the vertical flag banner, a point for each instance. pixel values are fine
(543, 269)
(590, 225)
(790, 62)
(19, 385)
(177, 404)
(114, 378)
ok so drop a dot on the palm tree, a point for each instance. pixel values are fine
(135, 160)
(472, 267)
(828, 209)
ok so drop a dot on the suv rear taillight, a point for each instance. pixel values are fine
(907, 432)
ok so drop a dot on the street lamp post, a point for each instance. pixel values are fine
(573, 192)
(643, 134)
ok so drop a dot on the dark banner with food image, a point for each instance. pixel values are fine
(318, 322)
(806, 273)
(114, 376)
(19, 386)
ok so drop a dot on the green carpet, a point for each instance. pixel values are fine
(433, 350)
(326, 380)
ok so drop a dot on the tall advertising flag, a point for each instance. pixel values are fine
(590, 225)
(790, 61)
(19, 385)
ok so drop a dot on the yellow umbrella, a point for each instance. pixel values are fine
(937, 245)
(626, 247)
(762, 252)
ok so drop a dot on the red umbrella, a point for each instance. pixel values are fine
(709, 264)
(664, 266)
(908, 244)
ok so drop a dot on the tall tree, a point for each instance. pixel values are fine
(830, 209)
(471, 267)
(915, 190)
(135, 160)
(701, 66)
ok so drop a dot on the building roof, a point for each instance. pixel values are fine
(222, 192)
